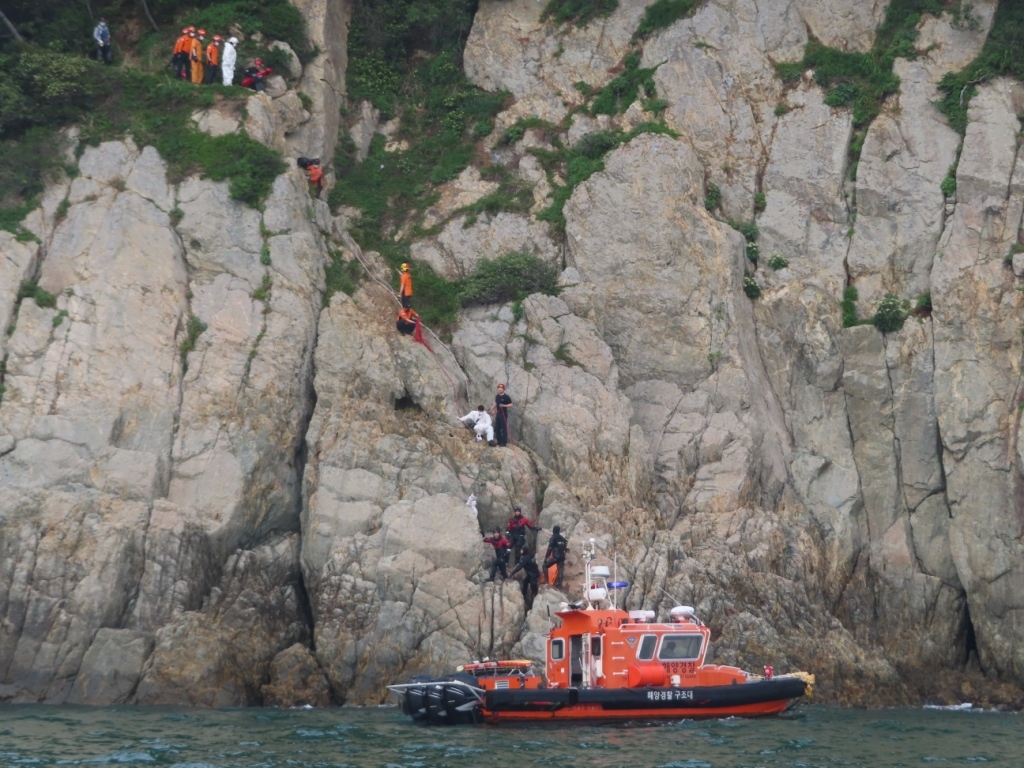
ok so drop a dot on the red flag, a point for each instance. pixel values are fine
(418, 334)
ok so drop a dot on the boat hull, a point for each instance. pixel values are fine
(454, 702)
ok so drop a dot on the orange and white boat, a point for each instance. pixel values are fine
(605, 663)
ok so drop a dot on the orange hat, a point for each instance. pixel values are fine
(216, 38)
(201, 33)
(184, 30)
(191, 29)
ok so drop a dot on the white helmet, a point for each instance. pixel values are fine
(233, 40)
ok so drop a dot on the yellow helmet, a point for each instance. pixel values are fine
(404, 267)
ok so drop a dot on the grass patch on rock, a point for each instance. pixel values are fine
(664, 13)
(1002, 54)
(577, 12)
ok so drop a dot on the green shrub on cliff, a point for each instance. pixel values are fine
(511, 277)
(664, 13)
(1002, 54)
(577, 12)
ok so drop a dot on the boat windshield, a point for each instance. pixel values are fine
(680, 647)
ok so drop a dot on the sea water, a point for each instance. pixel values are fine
(808, 736)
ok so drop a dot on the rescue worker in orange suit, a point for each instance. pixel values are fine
(531, 575)
(405, 285)
(406, 323)
(516, 530)
(502, 403)
(501, 548)
(195, 56)
(314, 172)
(557, 546)
(180, 58)
(212, 60)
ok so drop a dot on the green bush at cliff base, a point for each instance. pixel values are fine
(664, 13)
(1002, 54)
(577, 12)
(511, 277)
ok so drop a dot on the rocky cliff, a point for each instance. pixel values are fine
(220, 485)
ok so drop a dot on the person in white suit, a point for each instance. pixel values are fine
(227, 60)
(480, 422)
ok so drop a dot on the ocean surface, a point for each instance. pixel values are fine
(806, 737)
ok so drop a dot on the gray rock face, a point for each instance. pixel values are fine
(216, 490)
(123, 491)
(978, 349)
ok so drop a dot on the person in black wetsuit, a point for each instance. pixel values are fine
(516, 530)
(501, 547)
(502, 403)
(557, 546)
(531, 575)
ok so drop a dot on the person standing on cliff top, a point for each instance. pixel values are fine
(228, 59)
(502, 403)
(212, 60)
(527, 563)
(405, 285)
(501, 548)
(101, 34)
(195, 57)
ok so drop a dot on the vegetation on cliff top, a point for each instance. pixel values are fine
(50, 83)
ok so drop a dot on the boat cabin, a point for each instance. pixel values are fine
(599, 645)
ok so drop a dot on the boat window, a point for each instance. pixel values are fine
(595, 647)
(646, 651)
(557, 649)
(680, 647)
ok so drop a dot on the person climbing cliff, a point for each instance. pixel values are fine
(516, 530)
(480, 422)
(212, 60)
(502, 403)
(405, 285)
(406, 322)
(314, 173)
(555, 555)
(101, 34)
(228, 58)
(501, 549)
(195, 56)
(527, 563)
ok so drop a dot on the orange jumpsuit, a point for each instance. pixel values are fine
(212, 62)
(405, 288)
(195, 55)
(180, 55)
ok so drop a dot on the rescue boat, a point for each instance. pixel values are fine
(605, 663)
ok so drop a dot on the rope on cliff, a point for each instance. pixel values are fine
(357, 251)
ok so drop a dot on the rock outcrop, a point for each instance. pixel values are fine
(219, 487)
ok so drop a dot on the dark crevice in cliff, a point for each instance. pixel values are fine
(971, 641)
